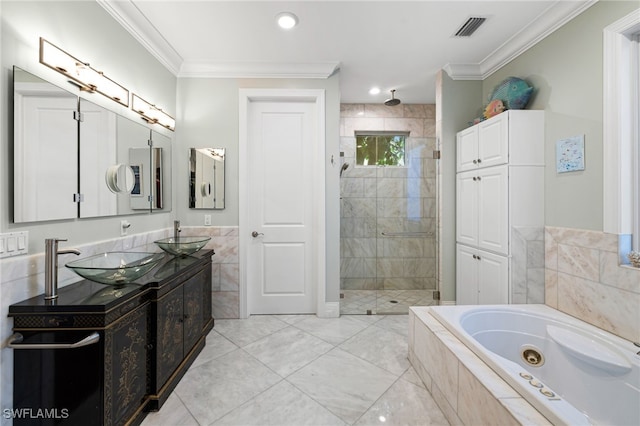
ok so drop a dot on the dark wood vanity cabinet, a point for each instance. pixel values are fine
(102, 382)
(143, 337)
(181, 313)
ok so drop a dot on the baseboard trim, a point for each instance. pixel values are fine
(329, 310)
(447, 303)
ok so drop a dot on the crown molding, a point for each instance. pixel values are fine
(463, 71)
(130, 17)
(554, 17)
(259, 70)
(132, 20)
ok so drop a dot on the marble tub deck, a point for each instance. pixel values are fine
(302, 370)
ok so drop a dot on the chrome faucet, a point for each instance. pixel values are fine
(51, 253)
(176, 229)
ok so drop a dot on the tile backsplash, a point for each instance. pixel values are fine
(225, 283)
(583, 279)
(527, 265)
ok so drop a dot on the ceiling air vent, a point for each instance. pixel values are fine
(470, 26)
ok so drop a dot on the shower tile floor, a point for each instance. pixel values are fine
(358, 302)
(302, 370)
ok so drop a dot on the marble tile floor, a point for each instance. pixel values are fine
(302, 370)
(358, 302)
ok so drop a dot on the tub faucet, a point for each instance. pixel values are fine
(51, 253)
(176, 229)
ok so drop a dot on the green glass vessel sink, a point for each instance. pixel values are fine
(115, 268)
(182, 246)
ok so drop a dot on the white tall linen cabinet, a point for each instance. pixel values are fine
(499, 190)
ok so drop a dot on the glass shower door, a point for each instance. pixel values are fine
(388, 258)
(406, 261)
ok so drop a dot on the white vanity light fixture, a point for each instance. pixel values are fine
(82, 74)
(152, 113)
(374, 91)
(286, 20)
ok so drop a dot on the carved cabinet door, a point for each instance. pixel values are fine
(193, 310)
(207, 305)
(126, 365)
(169, 335)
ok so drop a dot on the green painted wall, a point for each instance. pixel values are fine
(566, 70)
(87, 31)
(459, 102)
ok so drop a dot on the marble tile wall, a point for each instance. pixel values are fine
(226, 273)
(527, 265)
(22, 277)
(467, 390)
(583, 279)
(386, 199)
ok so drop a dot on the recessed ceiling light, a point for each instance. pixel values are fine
(374, 91)
(286, 20)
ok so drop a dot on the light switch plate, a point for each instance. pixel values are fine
(14, 244)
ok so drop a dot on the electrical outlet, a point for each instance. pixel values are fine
(207, 219)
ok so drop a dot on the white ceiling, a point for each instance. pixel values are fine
(390, 44)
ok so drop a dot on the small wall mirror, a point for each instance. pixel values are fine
(206, 182)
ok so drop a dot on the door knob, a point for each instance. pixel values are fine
(255, 234)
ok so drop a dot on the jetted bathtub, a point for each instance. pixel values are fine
(572, 372)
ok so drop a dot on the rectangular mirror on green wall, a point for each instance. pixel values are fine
(206, 180)
(45, 150)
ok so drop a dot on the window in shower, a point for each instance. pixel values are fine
(380, 148)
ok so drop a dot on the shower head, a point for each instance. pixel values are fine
(344, 167)
(393, 101)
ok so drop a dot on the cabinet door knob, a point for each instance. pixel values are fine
(479, 161)
(478, 257)
(475, 161)
(479, 178)
(475, 178)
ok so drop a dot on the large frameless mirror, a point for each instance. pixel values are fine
(74, 158)
(206, 180)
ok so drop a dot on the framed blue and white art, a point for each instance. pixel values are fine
(570, 154)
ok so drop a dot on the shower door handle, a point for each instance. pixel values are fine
(255, 234)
